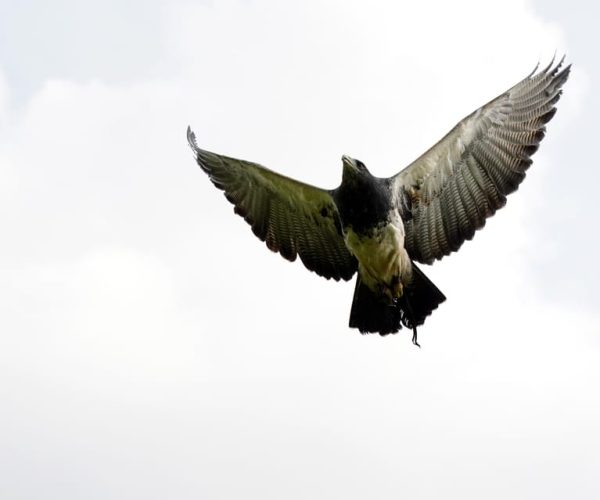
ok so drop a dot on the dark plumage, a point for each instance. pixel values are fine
(379, 227)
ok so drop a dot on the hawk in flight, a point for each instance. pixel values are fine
(381, 227)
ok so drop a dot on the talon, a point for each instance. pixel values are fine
(414, 338)
(387, 293)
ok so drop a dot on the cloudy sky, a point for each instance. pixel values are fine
(151, 347)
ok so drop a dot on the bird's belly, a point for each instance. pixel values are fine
(382, 258)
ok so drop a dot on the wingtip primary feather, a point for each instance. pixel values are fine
(549, 67)
(191, 137)
(534, 70)
(552, 67)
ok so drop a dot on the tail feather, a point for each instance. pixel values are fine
(423, 297)
(371, 312)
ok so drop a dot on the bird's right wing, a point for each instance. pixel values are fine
(450, 191)
(293, 218)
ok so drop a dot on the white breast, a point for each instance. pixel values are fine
(381, 256)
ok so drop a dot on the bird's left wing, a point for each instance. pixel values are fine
(293, 218)
(449, 192)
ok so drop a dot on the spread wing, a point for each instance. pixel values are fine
(291, 217)
(449, 192)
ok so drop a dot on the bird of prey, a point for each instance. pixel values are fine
(381, 227)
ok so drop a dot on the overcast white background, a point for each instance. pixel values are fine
(151, 347)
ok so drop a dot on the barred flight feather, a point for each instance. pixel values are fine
(466, 176)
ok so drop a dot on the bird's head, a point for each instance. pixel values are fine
(354, 169)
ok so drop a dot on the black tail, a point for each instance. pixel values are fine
(371, 312)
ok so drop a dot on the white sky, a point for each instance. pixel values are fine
(151, 347)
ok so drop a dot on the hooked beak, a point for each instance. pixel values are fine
(349, 162)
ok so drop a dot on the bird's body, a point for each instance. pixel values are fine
(380, 227)
(383, 262)
(373, 230)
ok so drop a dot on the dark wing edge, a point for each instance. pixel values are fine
(292, 218)
(449, 192)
